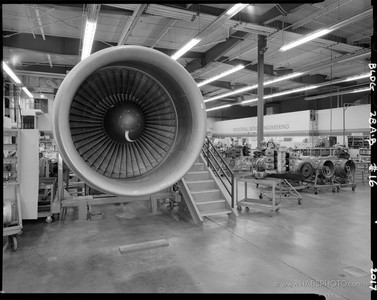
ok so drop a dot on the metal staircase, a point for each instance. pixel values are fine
(202, 193)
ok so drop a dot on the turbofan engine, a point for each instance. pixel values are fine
(129, 120)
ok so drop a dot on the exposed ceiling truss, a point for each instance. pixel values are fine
(47, 38)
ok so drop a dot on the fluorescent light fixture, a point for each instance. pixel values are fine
(306, 88)
(249, 100)
(255, 86)
(337, 93)
(360, 90)
(310, 87)
(24, 88)
(185, 48)
(219, 107)
(235, 9)
(357, 77)
(281, 78)
(90, 30)
(241, 90)
(235, 69)
(305, 39)
(10, 73)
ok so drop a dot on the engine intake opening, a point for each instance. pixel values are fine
(123, 122)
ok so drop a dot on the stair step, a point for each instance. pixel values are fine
(196, 175)
(200, 185)
(206, 195)
(216, 212)
(211, 201)
(209, 206)
(198, 166)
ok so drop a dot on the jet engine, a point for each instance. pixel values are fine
(129, 120)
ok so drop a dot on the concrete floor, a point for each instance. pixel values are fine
(321, 246)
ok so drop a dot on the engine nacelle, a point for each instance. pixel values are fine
(129, 120)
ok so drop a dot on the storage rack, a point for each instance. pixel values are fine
(11, 171)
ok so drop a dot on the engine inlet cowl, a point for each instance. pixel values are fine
(129, 120)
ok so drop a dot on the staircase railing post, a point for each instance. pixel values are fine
(233, 190)
(208, 153)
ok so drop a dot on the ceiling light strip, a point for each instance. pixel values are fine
(290, 76)
(219, 107)
(270, 96)
(305, 39)
(226, 73)
(337, 93)
(236, 8)
(27, 92)
(185, 48)
(10, 73)
(325, 31)
(239, 91)
(90, 30)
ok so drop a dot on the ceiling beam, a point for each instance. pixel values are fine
(45, 69)
(325, 10)
(65, 45)
(271, 14)
(53, 44)
(168, 26)
(217, 51)
(126, 32)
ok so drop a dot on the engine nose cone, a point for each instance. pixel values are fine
(124, 122)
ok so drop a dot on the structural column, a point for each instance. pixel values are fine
(17, 112)
(260, 114)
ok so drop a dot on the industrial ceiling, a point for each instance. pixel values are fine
(47, 38)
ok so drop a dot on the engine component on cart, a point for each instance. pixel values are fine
(260, 174)
(325, 167)
(259, 164)
(342, 152)
(344, 167)
(270, 166)
(129, 120)
(234, 151)
(270, 152)
(303, 168)
(9, 212)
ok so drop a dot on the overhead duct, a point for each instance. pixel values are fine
(129, 120)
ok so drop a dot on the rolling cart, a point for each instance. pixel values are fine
(12, 217)
(272, 204)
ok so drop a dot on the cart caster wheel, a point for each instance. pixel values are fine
(333, 190)
(353, 189)
(260, 196)
(316, 192)
(55, 217)
(239, 208)
(48, 219)
(338, 190)
(12, 240)
(299, 201)
(247, 209)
